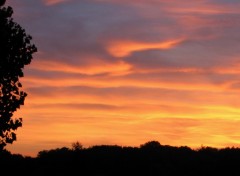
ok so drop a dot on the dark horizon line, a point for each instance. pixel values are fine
(152, 144)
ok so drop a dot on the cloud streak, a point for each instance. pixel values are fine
(125, 48)
(53, 2)
(100, 67)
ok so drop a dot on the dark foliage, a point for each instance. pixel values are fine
(2, 2)
(15, 52)
(106, 160)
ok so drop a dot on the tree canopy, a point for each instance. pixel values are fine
(149, 159)
(15, 52)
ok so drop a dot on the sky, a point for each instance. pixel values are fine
(125, 72)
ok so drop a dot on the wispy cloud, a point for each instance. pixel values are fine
(54, 2)
(99, 67)
(125, 48)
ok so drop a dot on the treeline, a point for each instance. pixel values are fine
(149, 159)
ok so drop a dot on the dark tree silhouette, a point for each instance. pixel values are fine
(15, 52)
(77, 146)
(151, 145)
(2, 2)
(108, 160)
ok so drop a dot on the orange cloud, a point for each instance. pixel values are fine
(125, 48)
(98, 67)
(209, 10)
(104, 82)
(232, 69)
(53, 2)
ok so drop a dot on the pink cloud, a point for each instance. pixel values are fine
(53, 2)
(125, 48)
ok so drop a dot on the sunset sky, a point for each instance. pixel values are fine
(126, 72)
